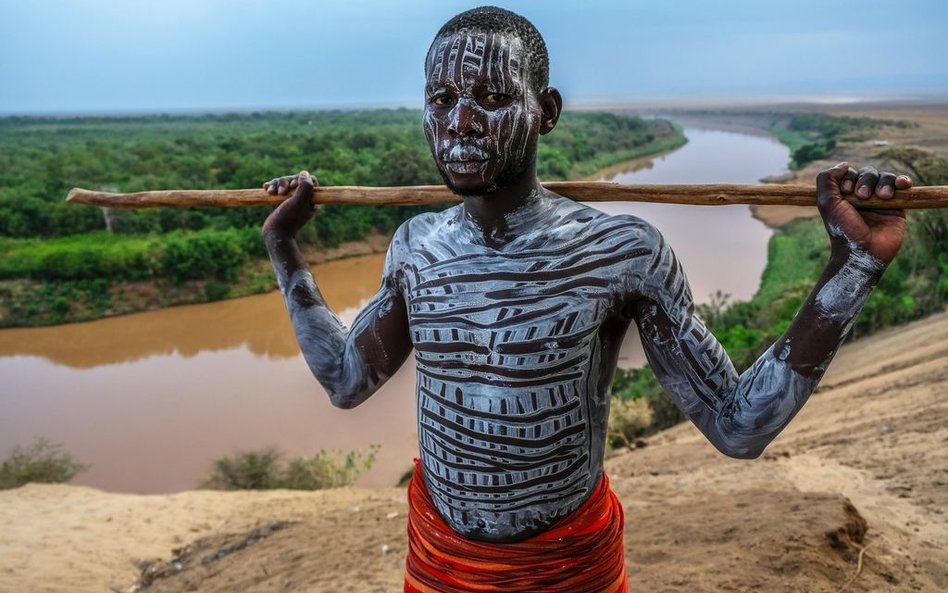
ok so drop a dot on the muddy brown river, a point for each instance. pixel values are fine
(149, 400)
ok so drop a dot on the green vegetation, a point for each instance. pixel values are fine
(914, 285)
(59, 261)
(813, 136)
(42, 461)
(262, 470)
(628, 420)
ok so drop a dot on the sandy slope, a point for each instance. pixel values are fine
(865, 464)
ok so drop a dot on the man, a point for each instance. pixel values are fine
(516, 302)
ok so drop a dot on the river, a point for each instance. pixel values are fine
(149, 400)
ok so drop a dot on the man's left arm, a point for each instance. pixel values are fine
(742, 414)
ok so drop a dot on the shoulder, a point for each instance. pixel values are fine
(628, 227)
(429, 224)
(418, 230)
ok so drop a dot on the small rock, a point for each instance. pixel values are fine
(391, 515)
(356, 509)
(386, 548)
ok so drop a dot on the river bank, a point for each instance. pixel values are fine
(858, 475)
(927, 129)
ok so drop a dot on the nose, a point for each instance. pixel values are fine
(465, 119)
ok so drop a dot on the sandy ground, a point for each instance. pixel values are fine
(864, 467)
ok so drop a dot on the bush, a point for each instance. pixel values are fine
(78, 257)
(262, 470)
(628, 420)
(204, 254)
(42, 462)
(325, 470)
(251, 470)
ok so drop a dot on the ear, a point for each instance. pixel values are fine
(551, 105)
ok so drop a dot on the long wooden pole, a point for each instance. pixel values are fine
(587, 191)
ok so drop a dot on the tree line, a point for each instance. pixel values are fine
(68, 255)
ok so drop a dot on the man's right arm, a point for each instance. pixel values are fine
(351, 364)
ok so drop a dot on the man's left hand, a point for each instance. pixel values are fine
(878, 231)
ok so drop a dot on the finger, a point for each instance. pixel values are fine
(866, 183)
(903, 182)
(849, 181)
(272, 186)
(827, 185)
(885, 187)
(889, 212)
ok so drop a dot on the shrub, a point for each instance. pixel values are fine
(250, 470)
(325, 470)
(262, 470)
(42, 462)
(78, 257)
(628, 420)
(204, 254)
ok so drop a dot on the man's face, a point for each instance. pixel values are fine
(481, 117)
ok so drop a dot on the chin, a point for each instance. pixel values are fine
(473, 188)
(481, 187)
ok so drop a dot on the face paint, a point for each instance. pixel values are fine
(481, 117)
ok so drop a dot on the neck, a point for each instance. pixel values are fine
(501, 214)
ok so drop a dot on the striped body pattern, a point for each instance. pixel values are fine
(511, 414)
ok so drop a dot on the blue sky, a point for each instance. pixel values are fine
(116, 55)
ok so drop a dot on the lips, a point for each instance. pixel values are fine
(459, 153)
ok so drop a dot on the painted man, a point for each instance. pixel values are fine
(516, 302)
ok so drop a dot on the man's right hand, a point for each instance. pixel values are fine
(290, 216)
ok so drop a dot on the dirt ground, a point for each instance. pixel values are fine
(862, 470)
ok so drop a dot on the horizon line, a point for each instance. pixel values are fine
(827, 99)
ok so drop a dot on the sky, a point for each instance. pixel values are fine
(74, 56)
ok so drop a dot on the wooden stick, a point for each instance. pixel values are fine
(586, 191)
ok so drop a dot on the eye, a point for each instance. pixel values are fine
(495, 99)
(441, 100)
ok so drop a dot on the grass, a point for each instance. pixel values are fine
(793, 139)
(796, 255)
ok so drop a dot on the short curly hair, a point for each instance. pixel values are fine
(492, 19)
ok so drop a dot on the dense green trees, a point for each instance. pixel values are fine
(69, 247)
(41, 158)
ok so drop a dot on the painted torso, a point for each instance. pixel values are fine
(515, 350)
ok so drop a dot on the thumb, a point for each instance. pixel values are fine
(305, 184)
(827, 184)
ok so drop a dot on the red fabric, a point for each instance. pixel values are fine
(582, 553)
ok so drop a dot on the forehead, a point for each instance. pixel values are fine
(467, 57)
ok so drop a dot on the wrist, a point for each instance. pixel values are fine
(273, 236)
(855, 272)
(854, 259)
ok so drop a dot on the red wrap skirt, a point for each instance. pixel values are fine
(582, 553)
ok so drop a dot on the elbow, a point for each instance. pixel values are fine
(744, 453)
(343, 402)
(741, 440)
(749, 449)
